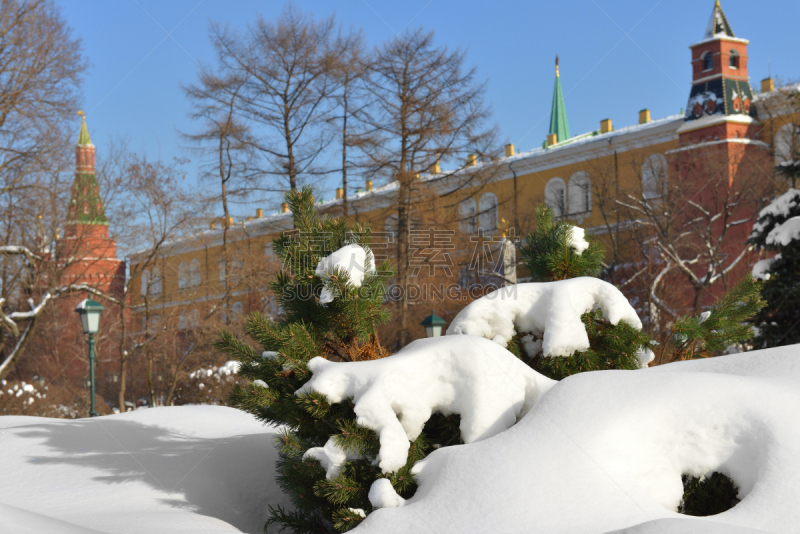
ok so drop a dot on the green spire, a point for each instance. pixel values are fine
(85, 203)
(83, 137)
(558, 114)
(718, 24)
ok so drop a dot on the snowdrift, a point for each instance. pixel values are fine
(604, 451)
(183, 469)
(598, 453)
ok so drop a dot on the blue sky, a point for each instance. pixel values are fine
(617, 57)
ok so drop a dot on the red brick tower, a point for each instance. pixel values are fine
(720, 102)
(721, 162)
(86, 244)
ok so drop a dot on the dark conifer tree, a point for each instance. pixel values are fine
(778, 323)
(549, 255)
(344, 329)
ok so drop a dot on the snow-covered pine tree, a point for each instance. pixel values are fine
(324, 314)
(778, 230)
(556, 250)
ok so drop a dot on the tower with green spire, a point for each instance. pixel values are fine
(558, 114)
(85, 204)
(88, 254)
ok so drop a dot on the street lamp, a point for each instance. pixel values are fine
(433, 325)
(89, 311)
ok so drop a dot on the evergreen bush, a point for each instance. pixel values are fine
(345, 330)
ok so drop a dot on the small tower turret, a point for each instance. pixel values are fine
(721, 98)
(559, 127)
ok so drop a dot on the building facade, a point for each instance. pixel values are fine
(608, 181)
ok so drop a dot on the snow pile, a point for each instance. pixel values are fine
(777, 210)
(471, 376)
(762, 267)
(551, 310)
(785, 233)
(173, 470)
(645, 356)
(26, 393)
(605, 451)
(331, 457)
(577, 240)
(383, 495)
(229, 369)
(352, 258)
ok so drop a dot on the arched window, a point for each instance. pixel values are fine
(467, 222)
(786, 143)
(487, 219)
(390, 226)
(183, 321)
(555, 196)
(183, 275)
(194, 318)
(708, 60)
(580, 193)
(734, 59)
(237, 269)
(155, 282)
(194, 273)
(145, 281)
(222, 274)
(269, 254)
(237, 308)
(654, 177)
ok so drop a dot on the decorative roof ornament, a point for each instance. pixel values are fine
(718, 24)
(558, 113)
(83, 137)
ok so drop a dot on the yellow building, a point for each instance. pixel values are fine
(568, 173)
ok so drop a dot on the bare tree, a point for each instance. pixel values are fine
(691, 232)
(148, 204)
(40, 75)
(347, 65)
(41, 70)
(285, 91)
(427, 108)
(226, 138)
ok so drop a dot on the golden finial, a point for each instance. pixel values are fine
(556, 64)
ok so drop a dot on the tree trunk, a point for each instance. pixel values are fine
(403, 215)
(123, 358)
(19, 349)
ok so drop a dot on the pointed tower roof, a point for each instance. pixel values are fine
(718, 24)
(558, 113)
(85, 204)
(83, 137)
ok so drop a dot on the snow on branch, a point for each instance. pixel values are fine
(551, 309)
(785, 233)
(18, 250)
(352, 259)
(487, 385)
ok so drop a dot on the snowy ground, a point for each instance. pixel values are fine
(598, 453)
(198, 469)
(604, 451)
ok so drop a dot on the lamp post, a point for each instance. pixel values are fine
(433, 325)
(89, 311)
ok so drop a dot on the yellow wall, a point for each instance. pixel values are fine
(594, 156)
